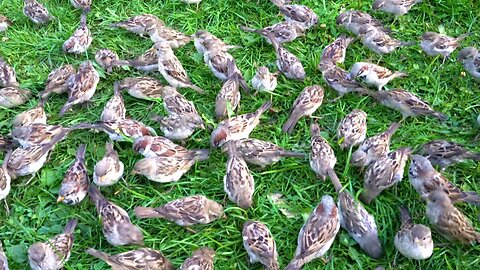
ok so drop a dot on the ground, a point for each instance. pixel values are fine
(35, 51)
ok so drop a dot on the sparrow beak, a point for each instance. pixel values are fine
(60, 199)
(133, 172)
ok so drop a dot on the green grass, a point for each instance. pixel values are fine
(33, 51)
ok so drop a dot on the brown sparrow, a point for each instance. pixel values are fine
(5, 185)
(143, 258)
(4, 24)
(109, 169)
(115, 107)
(283, 31)
(148, 61)
(143, 87)
(395, 7)
(106, 59)
(186, 211)
(172, 37)
(139, 24)
(237, 127)
(335, 52)
(57, 80)
(352, 130)
(287, 62)
(301, 15)
(425, 179)
(471, 61)
(37, 134)
(80, 40)
(444, 153)
(379, 41)
(120, 130)
(352, 20)
(434, 44)
(229, 95)
(317, 234)
(54, 253)
(414, 241)
(373, 148)
(82, 4)
(156, 146)
(322, 156)
(13, 96)
(75, 183)
(177, 127)
(339, 80)
(8, 77)
(82, 86)
(36, 115)
(448, 220)
(307, 102)
(116, 225)
(3, 257)
(260, 245)
(201, 258)
(201, 37)
(264, 80)
(384, 173)
(36, 12)
(238, 181)
(373, 74)
(176, 104)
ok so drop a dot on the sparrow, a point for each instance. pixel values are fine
(352, 130)
(264, 80)
(356, 220)
(238, 181)
(36, 12)
(139, 24)
(352, 20)
(407, 103)
(81, 86)
(54, 253)
(379, 41)
(201, 37)
(143, 258)
(262, 153)
(444, 153)
(171, 68)
(260, 245)
(120, 130)
(395, 7)
(384, 173)
(176, 104)
(283, 31)
(75, 183)
(322, 156)
(414, 241)
(37, 134)
(189, 2)
(237, 127)
(425, 179)
(287, 62)
(157, 146)
(116, 225)
(339, 80)
(165, 169)
(148, 61)
(8, 77)
(373, 148)
(106, 58)
(448, 220)
(434, 44)
(229, 95)
(470, 58)
(307, 102)
(5, 187)
(176, 127)
(13, 96)
(335, 52)
(172, 37)
(3, 257)
(186, 211)
(317, 234)
(142, 87)
(115, 107)
(4, 24)
(373, 74)
(300, 15)
(201, 258)
(109, 169)
(57, 80)
(80, 40)
(36, 115)
(82, 4)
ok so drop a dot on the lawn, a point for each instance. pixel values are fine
(35, 51)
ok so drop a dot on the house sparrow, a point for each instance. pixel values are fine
(120, 130)
(75, 183)
(157, 146)
(379, 41)
(116, 225)
(229, 95)
(300, 15)
(317, 234)
(201, 37)
(4, 24)
(13, 96)
(201, 258)
(177, 127)
(373, 148)
(5, 187)
(264, 80)
(106, 59)
(260, 245)
(189, 2)
(238, 181)
(186, 211)
(8, 77)
(352, 20)
(80, 40)
(406, 103)
(176, 104)
(425, 179)
(143, 87)
(237, 127)
(139, 24)
(448, 220)
(109, 169)
(287, 62)
(444, 153)
(115, 107)
(37, 134)
(262, 153)
(322, 156)
(57, 80)
(82, 86)
(335, 52)
(55, 252)
(356, 220)
(352, 130)
(395, 7)
(414, 241)
(3, 257)
(171, 68)
(384, 173)
(434, 44)
(375, 75)
(471, 61)
(306, 104)
(82, 4)
(143, 258)
(172, 37)
(36, 115)
(339, 80)
(36, 12)
(147, 62)
(282, 31)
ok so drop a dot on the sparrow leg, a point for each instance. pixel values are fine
(190, 230)
(28, 181)
(327, 259)
(6, 207)
(316, 117)
(335, 99)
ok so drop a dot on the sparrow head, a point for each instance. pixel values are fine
(467, 53)
(204, 251)
(378, 4)
(371, 245)
(132, 234)
(439, 198)
(144, 166)
(429, 36)
(342, 18)
(421, 234)
(420, 166)
(219, 137)
(214, 209)
(366, 30)
(142, 143)
(36, 253)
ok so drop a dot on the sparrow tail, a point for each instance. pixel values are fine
(81, 151)
(442, 117)
(474, 156)
(291, 154)
(97, 253)
(146, 212)
(121, 63)
(196, 88)
(265, 106)
(471, 198)
(70, 227)
(400, 74)
(295, 264)
(391, 130)
(291, 123)
(65, 108)
(336, 182)
(367, 197)
(201, 154)
(462, 37)
(405, 215)
(407, 43)
(247, 29)
(95, 194)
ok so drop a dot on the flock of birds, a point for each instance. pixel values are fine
(32, 139)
